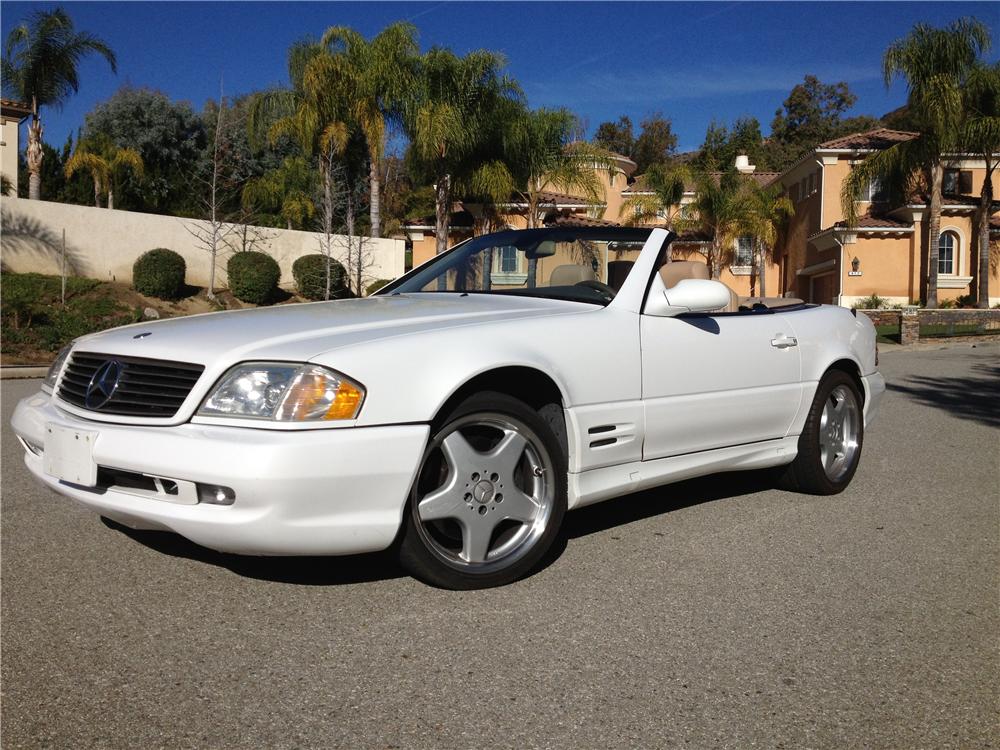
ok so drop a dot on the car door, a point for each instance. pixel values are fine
(711, 381)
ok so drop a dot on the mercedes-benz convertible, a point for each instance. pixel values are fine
(460, 412)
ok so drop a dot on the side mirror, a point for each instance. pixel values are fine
(687, 296)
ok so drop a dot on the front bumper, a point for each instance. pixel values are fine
(310, 492)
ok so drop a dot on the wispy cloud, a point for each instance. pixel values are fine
(703, 82)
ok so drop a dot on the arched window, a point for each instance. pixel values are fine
(947, 247)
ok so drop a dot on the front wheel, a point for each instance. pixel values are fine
(830, 444)
(489, 497)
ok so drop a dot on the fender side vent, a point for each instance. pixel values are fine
(601, 428)
(602, 443)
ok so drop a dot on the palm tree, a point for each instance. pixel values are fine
(39, 65)
(543, 156)
(105, 162)
(668, 183)
(309, 112)
(84, 161)
(768, 209)
(935, 63)
(982, 137)
(452, 125)
(289, 188)
(375, 77)
(720, 210)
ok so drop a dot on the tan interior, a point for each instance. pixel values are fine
(571, 273)
(678, 270)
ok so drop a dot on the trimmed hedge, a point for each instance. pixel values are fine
(253, 276)
(159, 273)
(309, 272)
(375, 286)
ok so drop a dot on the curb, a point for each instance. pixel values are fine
(17, 372)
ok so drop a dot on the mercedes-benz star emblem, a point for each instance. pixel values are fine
(103, 385)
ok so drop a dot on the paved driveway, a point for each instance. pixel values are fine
(714, 613)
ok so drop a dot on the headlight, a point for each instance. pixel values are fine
(284, 393)
(49, 384)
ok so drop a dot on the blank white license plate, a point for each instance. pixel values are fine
(69, 455)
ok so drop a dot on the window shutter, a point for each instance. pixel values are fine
(965, 182)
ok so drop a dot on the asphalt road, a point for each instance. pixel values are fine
(716, 613)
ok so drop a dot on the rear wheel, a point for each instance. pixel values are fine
(489, 497)
(831, 441)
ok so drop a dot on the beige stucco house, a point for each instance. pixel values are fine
(819, 259)
(12, 114)
(886, 253)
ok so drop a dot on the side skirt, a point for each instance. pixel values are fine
(596, 485)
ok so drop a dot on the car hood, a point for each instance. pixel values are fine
(300, 332)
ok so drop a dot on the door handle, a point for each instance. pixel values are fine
(783, 342)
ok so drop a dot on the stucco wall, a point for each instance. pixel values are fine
(103, 244)
(8, 151)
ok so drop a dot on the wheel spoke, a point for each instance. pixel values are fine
(829, 456)
(459, 453)
(517, 506)
(506, 454)
(476, 535)
(445, 502)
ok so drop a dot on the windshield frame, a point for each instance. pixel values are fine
(525, 240)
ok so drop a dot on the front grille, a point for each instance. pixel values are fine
(146, 387)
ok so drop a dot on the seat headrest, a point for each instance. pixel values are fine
(571, 273)
(678, 270)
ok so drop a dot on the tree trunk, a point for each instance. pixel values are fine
(375, 208)
(761, 272)
(327, 219)
(442, 208)
(35, 154)
(983, 272)
(97, 192)
(111, 198)
(934, 236)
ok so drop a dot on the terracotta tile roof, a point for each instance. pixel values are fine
(557, 219)
(639, 187)
(877, 222)
(871, 140)
(552, 198)
(952, 200)
(14, 108)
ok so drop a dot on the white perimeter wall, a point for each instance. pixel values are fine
(103, 244)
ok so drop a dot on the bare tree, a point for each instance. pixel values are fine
(341, 200)
(218, 188)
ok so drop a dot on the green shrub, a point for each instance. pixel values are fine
(253, 276)
(872, 302)
(309, 272)
(159, 273)
(35, 324)
(375, 286)
(966, 300)
(946, 304)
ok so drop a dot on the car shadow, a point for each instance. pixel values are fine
(971, 397)
(302, 571)
(378, 566)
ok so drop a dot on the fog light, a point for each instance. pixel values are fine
(214, 494)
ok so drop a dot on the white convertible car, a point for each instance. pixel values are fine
(460, 412)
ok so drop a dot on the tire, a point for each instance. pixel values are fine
(489, 496)
(831, 440)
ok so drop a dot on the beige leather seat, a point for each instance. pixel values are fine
(679, 270)
(770, 302)
(570, 274)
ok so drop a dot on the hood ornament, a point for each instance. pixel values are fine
(143, 335)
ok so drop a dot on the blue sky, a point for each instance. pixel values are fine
(691, 61)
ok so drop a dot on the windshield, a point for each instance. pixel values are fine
(579, 264)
